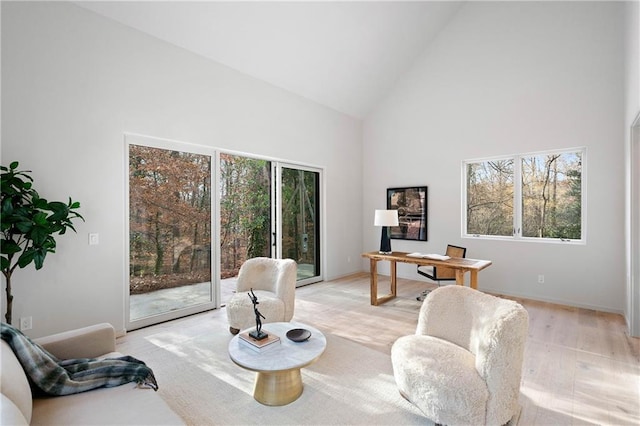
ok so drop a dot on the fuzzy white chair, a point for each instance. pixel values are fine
(464, 363)
(273, 282)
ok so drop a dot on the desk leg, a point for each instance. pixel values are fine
(394, 279)
(474, 279)
(375, 300)
(460, 276)
(374, 281)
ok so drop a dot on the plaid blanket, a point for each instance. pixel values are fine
(65, 377)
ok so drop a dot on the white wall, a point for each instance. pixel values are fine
(504, 78)
(74, 82)
(632, 152)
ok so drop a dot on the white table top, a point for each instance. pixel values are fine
(287, 355)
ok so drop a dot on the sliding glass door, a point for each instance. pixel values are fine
(170, 232)
(196, 215)
(299, 219)
(270, 209)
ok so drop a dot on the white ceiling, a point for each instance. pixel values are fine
(342, 54)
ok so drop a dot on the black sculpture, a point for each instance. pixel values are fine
(257, 333)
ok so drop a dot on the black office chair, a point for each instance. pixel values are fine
(440, 273)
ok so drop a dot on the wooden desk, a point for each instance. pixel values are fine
(459, 264)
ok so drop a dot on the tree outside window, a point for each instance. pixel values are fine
(547, 203)
(169, 218)
(490, 197)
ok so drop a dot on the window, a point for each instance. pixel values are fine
(535, 196)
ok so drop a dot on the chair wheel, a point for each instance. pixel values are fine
(233, 330)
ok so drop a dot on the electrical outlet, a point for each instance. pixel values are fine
(26, 323)
(540, 279)
(94, 239)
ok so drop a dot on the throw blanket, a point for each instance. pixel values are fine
(65, 377)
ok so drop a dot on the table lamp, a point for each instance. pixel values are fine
(386, 218)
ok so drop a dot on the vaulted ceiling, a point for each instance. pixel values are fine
(346, 55)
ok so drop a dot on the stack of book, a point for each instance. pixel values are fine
(268, 342)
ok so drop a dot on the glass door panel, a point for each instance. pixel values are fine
(169, 234)
(245, 215)
(300, 221)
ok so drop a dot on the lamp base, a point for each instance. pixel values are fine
(385, 241)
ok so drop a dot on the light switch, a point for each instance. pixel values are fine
(94, 239)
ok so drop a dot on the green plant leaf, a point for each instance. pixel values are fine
(10, 247)
(60, 211)
(40, 218)
(40, 203)
(26, 258)
(7, 205)
(23, 226)
(38, 258)
(57, 205)
(39, 235)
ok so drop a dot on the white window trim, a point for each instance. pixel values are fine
(517, 199)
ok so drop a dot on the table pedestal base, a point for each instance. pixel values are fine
(278, 388)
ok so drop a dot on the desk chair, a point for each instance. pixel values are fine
(441, 273)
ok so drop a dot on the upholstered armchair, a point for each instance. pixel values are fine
(464, 363)
(273, 282)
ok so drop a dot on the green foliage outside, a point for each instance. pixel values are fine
(169, 218)
(299, 215)
(245, 211)
(490, 198)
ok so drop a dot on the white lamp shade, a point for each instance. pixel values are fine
(386, 218)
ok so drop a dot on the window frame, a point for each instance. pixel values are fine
(517, 198)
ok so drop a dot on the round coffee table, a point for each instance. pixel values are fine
(278, 379)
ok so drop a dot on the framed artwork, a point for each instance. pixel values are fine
(411, 203)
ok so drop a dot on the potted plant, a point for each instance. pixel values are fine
(29, 224)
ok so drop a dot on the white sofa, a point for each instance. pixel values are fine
(122, 405)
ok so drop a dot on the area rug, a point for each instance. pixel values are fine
(349, 385)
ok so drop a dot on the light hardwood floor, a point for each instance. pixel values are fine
(580, 365)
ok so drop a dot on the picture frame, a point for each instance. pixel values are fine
(411, 203)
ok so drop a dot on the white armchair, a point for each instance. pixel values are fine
(274, 283)
(464, 363)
